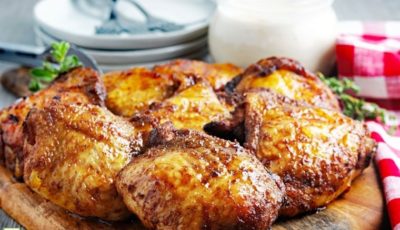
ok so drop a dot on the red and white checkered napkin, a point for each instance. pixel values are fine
(369, 53)
(388, 162)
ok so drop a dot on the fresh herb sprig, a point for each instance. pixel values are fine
(43, 75)
(358, 108)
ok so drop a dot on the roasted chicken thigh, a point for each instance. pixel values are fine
(81, 85)
(286, 77)
(317, 152)
(189, 180)
(73, 154)
(134, 90)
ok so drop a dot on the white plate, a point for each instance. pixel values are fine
(61, 19)
(199, 55)
(131, 56)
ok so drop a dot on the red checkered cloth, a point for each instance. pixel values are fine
(369, 53)
(388, 162)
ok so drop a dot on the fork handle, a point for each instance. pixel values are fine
(27, 50)
(22, 54)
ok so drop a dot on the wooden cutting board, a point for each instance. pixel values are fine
(361, 208)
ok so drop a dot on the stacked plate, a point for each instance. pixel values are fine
(76, 21)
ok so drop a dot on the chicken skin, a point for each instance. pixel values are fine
(134, 90)
(216, 74)
(317, 152)
(189, 180)
(73, 154)
(190, 108)
(81, 85)
(289, 149)
(286, 77)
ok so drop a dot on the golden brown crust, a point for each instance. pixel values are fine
(233, 127)
(189, 108)
(85, 81)
(81, 85)
(287, 77)
(316, 152)
(134, 90)
(190, 180)
(73, 153)
(216, 74)
(35, 213)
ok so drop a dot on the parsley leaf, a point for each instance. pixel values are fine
(45, 74)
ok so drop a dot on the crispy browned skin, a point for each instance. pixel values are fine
(216, 74)
(73, 154)
(191, 108)
(190, 180)
(286, 77)
(317, 152)
(134, 90)
(81, 85)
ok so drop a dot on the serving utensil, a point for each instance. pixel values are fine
(113, 26)
(156, 23)
(33, 56)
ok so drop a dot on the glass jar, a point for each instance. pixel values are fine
(244, 31)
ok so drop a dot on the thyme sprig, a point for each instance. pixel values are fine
(357, 108)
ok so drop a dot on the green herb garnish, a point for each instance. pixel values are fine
(42, 76)
(358, 108)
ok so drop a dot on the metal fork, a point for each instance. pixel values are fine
(34, 56)
(111, 25)
(155, 23)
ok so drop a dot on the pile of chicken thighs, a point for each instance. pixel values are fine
(187, 144)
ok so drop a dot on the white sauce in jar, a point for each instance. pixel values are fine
(244, 31)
